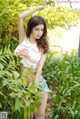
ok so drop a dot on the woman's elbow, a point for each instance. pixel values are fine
(20, 17)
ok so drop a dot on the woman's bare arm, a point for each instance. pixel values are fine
(21, 30)
(39, 69)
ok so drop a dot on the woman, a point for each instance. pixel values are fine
(32, 49)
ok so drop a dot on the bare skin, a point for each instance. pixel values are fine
(36, 33)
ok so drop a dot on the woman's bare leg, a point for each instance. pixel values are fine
(40, 114)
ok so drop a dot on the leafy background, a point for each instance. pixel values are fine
(61, 71)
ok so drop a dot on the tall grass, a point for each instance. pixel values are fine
(63, 76)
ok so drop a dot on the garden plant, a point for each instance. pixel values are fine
(61, 70)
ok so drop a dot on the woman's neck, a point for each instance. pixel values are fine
(32, 40)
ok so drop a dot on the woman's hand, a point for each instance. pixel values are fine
(23, 53)
(41, 7)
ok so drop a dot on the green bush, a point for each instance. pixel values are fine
(17, 97)
(54, 16)
(62, 73)
(63, 76)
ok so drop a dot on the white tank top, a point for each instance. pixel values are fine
(26, 47)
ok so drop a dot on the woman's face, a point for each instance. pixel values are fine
(37, 31)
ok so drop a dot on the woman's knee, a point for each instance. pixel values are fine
(42, 108)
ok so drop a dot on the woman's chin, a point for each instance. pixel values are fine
(38, 37)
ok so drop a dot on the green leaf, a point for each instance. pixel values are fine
(27, 103)
(0, 105)
(1, 67)
(16, 74)
(1, 93)
(13, 95)
(18, 104)
(5, 82)
(8, 73)
(32, 89)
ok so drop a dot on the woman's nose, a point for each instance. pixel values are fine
(40, 32)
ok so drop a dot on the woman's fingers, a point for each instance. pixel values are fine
(25, 56)
(42, 6)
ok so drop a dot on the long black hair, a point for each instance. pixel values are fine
(42, 42)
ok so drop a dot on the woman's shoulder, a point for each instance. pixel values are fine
(22, 44)
(25, 40)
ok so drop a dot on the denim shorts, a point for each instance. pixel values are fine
(43, 85)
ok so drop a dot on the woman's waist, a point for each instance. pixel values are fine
(28, 63)
(27, 70)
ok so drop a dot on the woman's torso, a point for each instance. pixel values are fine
(33, 52)
(29, 65)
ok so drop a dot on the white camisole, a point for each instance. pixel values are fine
(28, 48)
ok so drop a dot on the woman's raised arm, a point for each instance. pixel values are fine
(21, 30)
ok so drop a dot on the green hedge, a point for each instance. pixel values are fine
(63, 76)
(62, 73)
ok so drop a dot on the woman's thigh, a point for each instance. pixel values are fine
(42, 108)
(27, 74)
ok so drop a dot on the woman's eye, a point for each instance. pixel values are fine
(37, 29)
